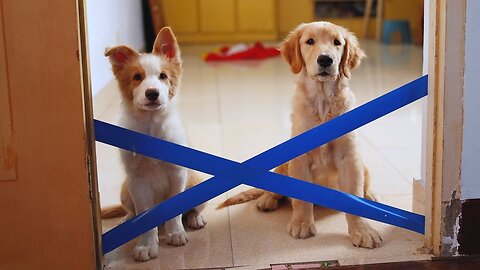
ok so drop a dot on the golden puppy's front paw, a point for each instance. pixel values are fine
(301, 228)
(363, 235)
(266, 202)
(371, 196)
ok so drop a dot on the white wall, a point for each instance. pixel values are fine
(470, 177)
(426, 46)
(111, 22)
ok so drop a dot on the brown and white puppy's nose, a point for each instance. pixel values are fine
(324, 61)
(152, 94)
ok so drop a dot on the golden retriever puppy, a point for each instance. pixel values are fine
(322, 55)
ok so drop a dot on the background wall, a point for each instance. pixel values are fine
(111, 22)
(426, 46)
(404, 10)
(470, 178)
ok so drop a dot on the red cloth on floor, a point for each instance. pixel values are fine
(257, 51)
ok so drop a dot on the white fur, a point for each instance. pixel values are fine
(152, 66)
(152, 181)
(149, 181)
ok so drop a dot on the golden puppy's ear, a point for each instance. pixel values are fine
(119, 56)
(290, 49)
(166, 44)
(352, 54)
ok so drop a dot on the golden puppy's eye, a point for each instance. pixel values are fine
(137, 77)
(310, 41)
(336, 42)
(162, 76)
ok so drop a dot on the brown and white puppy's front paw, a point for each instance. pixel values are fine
(147, 247)
(175, 234)
(363, 235)
(195, 220)
(176, 238)
(144, 253)
(301, 228)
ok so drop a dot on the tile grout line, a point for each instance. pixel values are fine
(404, 177)
(231, 238)
(219, 110)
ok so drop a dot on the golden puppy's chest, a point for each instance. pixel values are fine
(322, 168)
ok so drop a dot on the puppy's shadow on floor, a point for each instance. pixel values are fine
(320, 213)
(285, 206)
(249, 216)
(331, 226)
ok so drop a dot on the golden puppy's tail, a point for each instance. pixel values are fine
(113, 212)
(254, 193)
(249, 195)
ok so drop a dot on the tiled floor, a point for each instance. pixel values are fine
(240, 109)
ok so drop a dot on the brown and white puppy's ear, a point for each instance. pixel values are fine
(120, 56)
(290, 49)
(166, 44)
(352, 54)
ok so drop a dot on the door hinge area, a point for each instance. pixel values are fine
(90, 177)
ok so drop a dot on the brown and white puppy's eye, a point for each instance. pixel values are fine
(310, 41)
(162, 76)
(137, 77)
(336, 42)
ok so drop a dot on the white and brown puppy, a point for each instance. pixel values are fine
(322, 55)
(149, 84)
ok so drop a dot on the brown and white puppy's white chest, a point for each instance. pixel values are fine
(159, 175)
(149, 84)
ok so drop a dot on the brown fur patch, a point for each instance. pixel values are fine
(352, 54)
(173, 69)
(290, 50)
(126, 81)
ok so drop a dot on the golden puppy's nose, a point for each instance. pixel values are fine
(324, 61)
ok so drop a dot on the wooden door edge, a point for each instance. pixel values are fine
(89, 132)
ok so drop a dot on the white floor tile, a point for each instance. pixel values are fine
(207, 247)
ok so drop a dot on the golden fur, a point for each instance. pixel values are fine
(322, 93)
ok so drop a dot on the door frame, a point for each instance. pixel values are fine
(444, 128)
(90, 132)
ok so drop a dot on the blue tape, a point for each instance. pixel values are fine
(254, 171)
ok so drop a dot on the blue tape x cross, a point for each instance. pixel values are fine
(255, 171)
